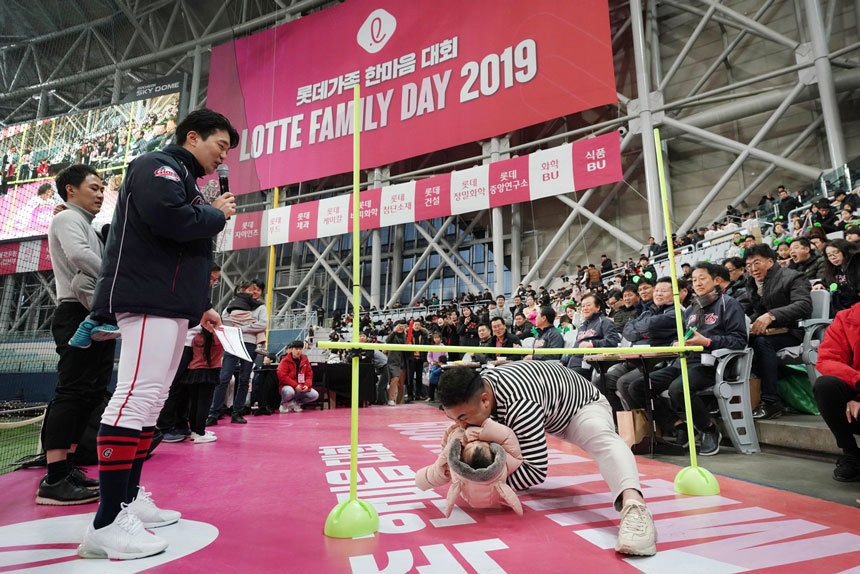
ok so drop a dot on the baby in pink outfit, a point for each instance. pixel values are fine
(477, 462)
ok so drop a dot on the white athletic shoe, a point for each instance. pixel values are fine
(391, 403)
(283, 409)
(124, 539)
(201, 438)
(149, 513)
(636, 534)
(295, 407)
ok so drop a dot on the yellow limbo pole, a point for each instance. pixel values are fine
(270, 272)
(353, 518)
(692, 479)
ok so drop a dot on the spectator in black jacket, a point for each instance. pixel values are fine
(841, 274)
(717, 322)
(655, 327)
(825, 216)
(778, 299)
(503, 339)
(630, 309)
(415, 363)
(786, 202)
(605, 264)
(548, 336)
(805, 259)
(847, 200)
(522, 327)
(737, 287)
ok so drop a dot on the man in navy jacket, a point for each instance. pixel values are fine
(155, 280)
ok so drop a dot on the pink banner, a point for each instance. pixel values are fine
(563, 169)
(9, 258)
(433, 75)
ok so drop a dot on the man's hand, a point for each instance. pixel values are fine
(226, 203)
(528, 357)
(697, 340)
(852, 411)
(60, 208)
(211, 320)
(586, 345)
(761, 324)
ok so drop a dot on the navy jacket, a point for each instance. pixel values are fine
(159, 249)
(548, 338)
(656, 326)
(725, 325)
(600, 331)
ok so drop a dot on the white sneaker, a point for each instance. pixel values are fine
(283, 409)
(636, 534)
(149, 513)
(124, 539)
(391, 403)
(201, 438)
(295, 407)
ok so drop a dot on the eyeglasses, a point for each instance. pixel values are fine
(834, 254)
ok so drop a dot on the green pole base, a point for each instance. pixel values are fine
(351, 519)
(696, 481)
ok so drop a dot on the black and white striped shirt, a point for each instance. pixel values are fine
(534, 398)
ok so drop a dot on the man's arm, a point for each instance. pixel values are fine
(72, 235)
(526, 419)
(261, 321)
(552, 340)
(610, 337)
(800, 306)
(734, 334)
(161, 202)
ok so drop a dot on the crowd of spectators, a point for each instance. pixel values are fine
(756, 297)
(108, 148)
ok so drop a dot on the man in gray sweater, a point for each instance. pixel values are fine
(83, 374)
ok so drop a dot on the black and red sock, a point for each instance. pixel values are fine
(116, 448)
(139, 457)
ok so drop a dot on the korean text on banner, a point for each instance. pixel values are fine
(433, 75)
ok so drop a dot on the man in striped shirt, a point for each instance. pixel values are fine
(533, 398)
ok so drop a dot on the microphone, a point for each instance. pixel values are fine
(223, 171)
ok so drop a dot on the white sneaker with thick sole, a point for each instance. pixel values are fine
(391, 403)
(202, 438)
(149, 513)
(295, 407)
(636, 534)
(283, 409)
(124, 539)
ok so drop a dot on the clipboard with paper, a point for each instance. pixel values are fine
(231, 340)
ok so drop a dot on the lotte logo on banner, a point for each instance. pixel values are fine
(376, 31)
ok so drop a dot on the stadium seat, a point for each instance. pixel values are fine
(813, 331)
(732, 391)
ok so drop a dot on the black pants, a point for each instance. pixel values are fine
(199, 397)
(766, 364)
(832, 395)
(83, 376)
(174, 413)
(415, 378)
(669, 378)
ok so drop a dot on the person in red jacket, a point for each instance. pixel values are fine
(295, 379)
(836, 391)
